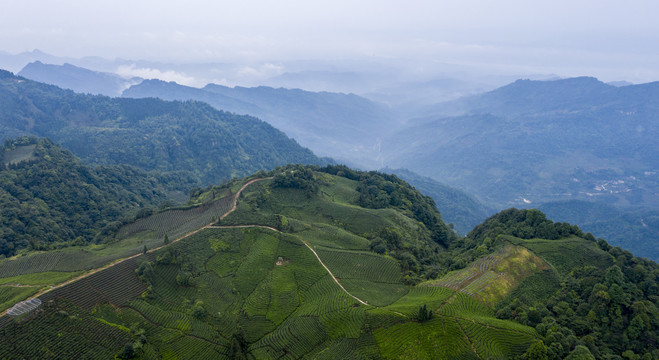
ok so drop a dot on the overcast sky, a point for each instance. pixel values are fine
(613, 40)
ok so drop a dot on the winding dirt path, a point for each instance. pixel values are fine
(332, 275)
(307, 245)
(119, 261)
(209, 226)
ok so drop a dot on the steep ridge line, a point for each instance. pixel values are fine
(119, 261)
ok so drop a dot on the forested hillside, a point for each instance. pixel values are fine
(50, 199)
(346, 127)
(147, 133)
(595, 298)
(457, 207)
(533, 142)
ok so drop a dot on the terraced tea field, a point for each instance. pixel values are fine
(553, 251)
(310, 292)
(178, 222)
(491, 277)
(51, 268)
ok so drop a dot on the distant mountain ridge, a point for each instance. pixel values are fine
(344, 126)
(147, 133)
(533, 142)
(633, 229)
(79, 79)
(565, 95)
(532, 138)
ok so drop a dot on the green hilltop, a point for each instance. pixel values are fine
(327, 263)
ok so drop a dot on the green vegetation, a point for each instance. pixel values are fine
(553, 251)
(313, 274)
(524, 224)
(174, 223)
(433, 297)
(459, 209)
(534, 142)
(190, 138)
(54, 201)
(594, 295)
(62, 331)
(379, 212)
(36, 279)
(40, 268)
(330, 124)
(490, 278)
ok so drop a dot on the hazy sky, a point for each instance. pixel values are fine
(613, 40)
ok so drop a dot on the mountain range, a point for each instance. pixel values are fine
(106, 260)
(150, 134)
(541, 141)
(80, 80)
(536, 142)
(346, 127)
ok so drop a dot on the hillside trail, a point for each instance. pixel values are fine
(208, 226)
(307, 245)
(119, 261)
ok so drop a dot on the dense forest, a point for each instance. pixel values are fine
(601, 308)
(50, 199)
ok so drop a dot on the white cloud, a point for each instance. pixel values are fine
(148, 73)
(258, 72)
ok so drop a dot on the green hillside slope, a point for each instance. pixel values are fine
(326, 263)
(346, 127)
(590, 297)
(49, 199)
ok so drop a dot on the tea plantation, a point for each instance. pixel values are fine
(299, 270)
